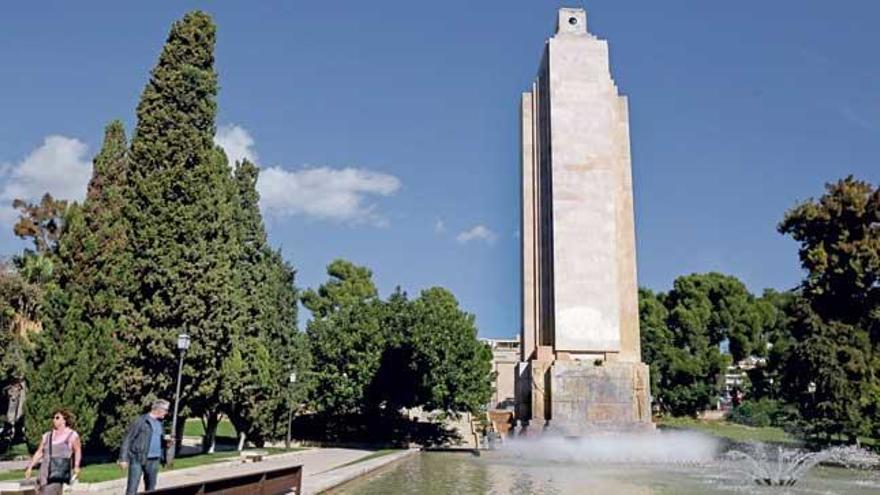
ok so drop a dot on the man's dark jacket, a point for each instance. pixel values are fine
(136, 443)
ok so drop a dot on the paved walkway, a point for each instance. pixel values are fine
(12, 465)
(321, 470)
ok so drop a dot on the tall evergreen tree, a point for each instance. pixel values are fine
(182, 208)
(257, 392)
(87, 306)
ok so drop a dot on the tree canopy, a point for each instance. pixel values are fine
(831, 367)
(683, 332)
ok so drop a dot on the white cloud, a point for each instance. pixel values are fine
(60, 166)
(326, 193)
(322, 193)
(237, 142)
(476, 233)
(439, 226)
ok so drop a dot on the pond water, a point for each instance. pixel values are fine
(509, 472)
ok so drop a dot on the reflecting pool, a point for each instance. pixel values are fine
(503, 472)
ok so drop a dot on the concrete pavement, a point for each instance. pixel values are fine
(322, 469)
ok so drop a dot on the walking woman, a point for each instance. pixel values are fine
(61, 453)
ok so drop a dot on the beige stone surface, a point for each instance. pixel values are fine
(587, 396)
(503, 395)
(576, 163)
(539, 381)
(580, 291)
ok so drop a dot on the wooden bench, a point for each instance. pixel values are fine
(277, 481)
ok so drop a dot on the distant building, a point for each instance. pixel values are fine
(735, 378)
(505, 355)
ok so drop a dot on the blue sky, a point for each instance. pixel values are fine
(391, 128)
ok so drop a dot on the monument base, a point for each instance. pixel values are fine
(580, 397)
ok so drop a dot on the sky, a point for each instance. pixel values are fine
(388, 132)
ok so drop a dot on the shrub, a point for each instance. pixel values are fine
(763, 412)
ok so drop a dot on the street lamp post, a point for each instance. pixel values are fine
(182, 345)
(292, 378)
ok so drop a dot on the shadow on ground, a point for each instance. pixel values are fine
(391, 431)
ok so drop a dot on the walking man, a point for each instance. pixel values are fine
(142, 448)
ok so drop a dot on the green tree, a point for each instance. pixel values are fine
(776, 309)
(373, 358)
(249, 395)
(75, 363)
(656, 337)
(345, 338)
(257, 393)
(42, 222)
(20, 303)
(707, 309)
(682, 333)
(75, 366)
(832, 365)
(182, 209)
(453, 369)
(394, 386)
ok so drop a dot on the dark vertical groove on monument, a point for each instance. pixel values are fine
(545, 201)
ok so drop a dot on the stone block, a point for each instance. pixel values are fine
(586, 396)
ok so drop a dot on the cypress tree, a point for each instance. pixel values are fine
(267, 279)
(269, 347)
(76, 363)
(183, 233)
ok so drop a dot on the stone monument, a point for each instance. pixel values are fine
(580, 366)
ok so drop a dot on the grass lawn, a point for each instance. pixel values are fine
(15, 451)
(374, 455)
(194, 428)
(94, 473)
(731, 431)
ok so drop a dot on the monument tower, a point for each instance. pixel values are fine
(581, 366)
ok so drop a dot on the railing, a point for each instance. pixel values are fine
(269, 482)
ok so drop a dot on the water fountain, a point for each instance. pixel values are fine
(658, 463)
(786, 466)
(673, 447)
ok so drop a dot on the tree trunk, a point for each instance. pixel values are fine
(209, 441)
(178, 436)
(241, 439)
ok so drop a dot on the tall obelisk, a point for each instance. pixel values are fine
(581, 363)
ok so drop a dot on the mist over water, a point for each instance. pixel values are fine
(673, 447)
(660, 463)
